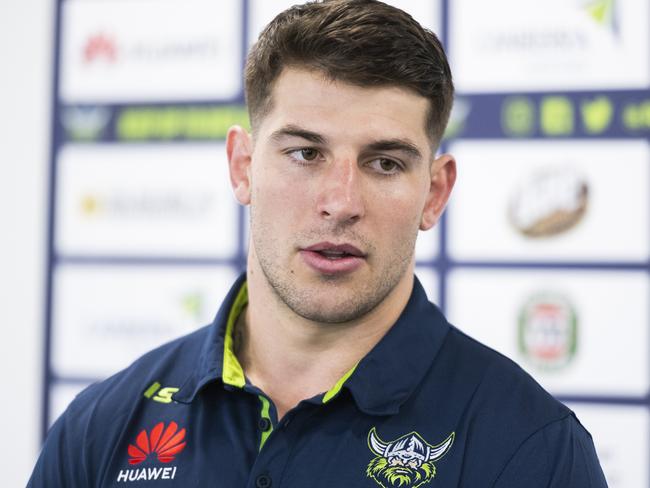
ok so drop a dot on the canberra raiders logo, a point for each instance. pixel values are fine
(406, 462)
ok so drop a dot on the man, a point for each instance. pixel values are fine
(326, 366)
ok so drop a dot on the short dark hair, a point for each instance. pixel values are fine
(362, 42)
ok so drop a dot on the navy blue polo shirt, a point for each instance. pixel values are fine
(427, 407)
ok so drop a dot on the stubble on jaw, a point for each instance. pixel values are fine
(307, 301)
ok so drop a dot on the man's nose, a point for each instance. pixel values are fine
(340, 196)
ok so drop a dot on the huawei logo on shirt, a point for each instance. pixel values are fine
(165, 443)
(162, 445)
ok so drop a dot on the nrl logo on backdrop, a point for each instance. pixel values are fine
(552, 201)
(85, 123)
(406, 462)
(548, 331)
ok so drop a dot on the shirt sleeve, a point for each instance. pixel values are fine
(559, 455)
(62, 462)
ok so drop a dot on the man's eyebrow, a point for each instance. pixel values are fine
(316, 138)
(295, 131)
(396, 145)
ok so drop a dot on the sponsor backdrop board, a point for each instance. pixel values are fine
(156, 304)
(429, 281)
(543, 254)
(551, 201)
(150, 50)
(554, 45)
(427, 245)
(621, 438)
(145, 200)
(566, 328)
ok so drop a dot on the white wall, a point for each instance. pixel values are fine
(26, 28)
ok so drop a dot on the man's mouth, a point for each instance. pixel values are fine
(335, 251)
(329, 258)
(332, 254)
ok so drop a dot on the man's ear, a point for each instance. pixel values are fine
(239, 151)
(443, 177)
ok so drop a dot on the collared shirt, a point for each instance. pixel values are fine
(427, 406)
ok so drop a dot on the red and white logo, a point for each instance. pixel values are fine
(100, 46)
(163, 442)
(166, 443)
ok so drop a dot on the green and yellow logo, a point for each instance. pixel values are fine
(556, 116)
(518, 116)
(603, 13)
(406, 462)
(169, 123)
(596, 114)
(157, 393)
(636, 116)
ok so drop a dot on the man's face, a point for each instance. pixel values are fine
(339, 182)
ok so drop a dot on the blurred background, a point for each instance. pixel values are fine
(120, 231)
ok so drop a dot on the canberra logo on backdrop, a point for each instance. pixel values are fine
(603, 13)
(161, 445)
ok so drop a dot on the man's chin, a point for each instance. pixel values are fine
(329, 302)
(330, 312)
(328, 298)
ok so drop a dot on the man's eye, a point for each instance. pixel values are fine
(385, 166)
(309, 153)
(304, 154)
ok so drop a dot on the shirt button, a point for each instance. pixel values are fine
(264, 424)
(263, 481)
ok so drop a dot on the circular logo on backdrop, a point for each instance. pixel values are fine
(548, 331)
(552, 201)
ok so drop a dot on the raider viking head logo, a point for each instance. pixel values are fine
(406, 462)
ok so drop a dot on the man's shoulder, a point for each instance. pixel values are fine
(497, 380)
(161, 371)
(497, 410)
(499, 406)
(85, 439)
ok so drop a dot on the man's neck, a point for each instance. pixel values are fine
(291, 358)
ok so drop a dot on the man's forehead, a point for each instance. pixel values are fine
(314, 102)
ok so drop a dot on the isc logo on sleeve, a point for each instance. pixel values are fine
(158, 394)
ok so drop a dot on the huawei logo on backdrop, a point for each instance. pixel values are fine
(165, 443)
(100, 46)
